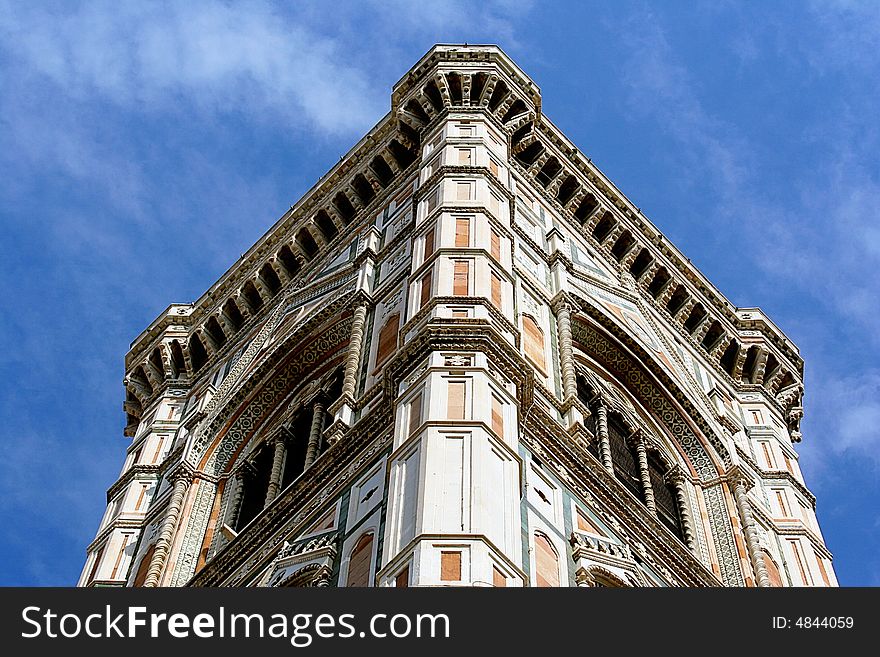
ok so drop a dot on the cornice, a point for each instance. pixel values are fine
(632, 218)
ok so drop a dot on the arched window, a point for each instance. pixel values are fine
(359, 561)
(626, 467)
(533, 338)
(144, 567)
(664, 496)
(546, 562)
(388, 338)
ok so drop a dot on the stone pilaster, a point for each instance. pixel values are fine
(740, 483)
(566, 354)
(353, 357)
(237, 497)
(181, 480)
(676, 478)
(644, 474)
(280, 452)
(602, 430)
(315, 433)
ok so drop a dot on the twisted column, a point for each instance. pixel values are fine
(644, 475)
(181, 479)
(738, 481)
(277, 465)
(315, 433)
(566, 355)
(676, 478)
(353, 357)
(237, 497)
(602, 430)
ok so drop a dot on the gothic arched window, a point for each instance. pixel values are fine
(546, 562)
(626, 465)
(664, 497)
(359, 561)
(533, 341)
(388, 338)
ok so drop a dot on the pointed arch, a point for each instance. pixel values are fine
(546, 561)
(360, 560)
(533, 341)
(388, 338)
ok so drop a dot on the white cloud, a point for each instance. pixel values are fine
(852, 406)
(842, 424)
(246, 58)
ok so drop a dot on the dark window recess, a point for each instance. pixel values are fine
(252, 296)
(255, 485)
(325, 224)
(661, 278)
(641, 263)
(285, 255)
(307, 243)
(586, 208)
(728, 359)
(604, 227)
(270, 278)
(713, 336)
(212, 326)
(178, 362)
(622, 246)
(677, 300)
(233, 314)
(749, 366)
(567, 190)
(197, 354)
(664, 497)
(548, 171)
(626, 467)
(344, 207)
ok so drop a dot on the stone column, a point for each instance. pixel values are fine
(315, 433)
(181, 480)
(237, 497)
(602, 430)
(644, 474)
(353, 357)
(566, 355)
(738, 481)
(280, 447)
(676, 478)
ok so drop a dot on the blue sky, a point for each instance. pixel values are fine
(145, 146)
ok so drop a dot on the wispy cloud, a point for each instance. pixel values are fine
(233, 58)
(820, 243)
(846, 417)
(850, 35)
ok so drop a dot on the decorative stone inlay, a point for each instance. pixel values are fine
(722, 532)
(458, 360)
